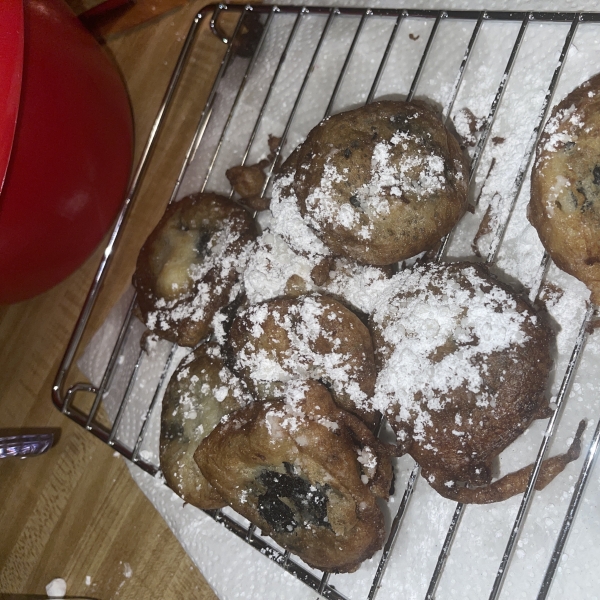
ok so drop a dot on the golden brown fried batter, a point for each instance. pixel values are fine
(304, 471)
(514, 483)
(464, 369)
(565, 185)
(189, 265)
(381, 183)
(306, 337)
(248, 182)
(201, 391)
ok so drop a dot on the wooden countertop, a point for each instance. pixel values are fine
(75, 512)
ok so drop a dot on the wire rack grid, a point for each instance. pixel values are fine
(493, 76)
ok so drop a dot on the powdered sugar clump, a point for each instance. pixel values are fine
(368, 461)
(288, 223)
(360, 286)
(288, 250)
(271, 266)
(57, 588)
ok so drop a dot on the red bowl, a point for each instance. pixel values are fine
(72, 151)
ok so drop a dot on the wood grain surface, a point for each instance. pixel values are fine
(75, 512)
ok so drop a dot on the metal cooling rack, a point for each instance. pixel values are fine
(216, 126)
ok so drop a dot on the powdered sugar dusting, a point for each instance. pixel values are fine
(303, 358)
(291, 415)
(425, 310)
(288, 248)
(394, 175)
(555, 129)
(322, 208)
(193, 294)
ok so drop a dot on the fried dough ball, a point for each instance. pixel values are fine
(305, 337)
(381, 183)
(306, 472)
(565, 185)
(188, 267)
(201, 391)
(464, 369)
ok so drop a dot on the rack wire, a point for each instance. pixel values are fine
(336, 46)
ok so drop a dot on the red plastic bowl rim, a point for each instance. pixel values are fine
(11, 76)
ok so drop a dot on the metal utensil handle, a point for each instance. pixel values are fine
(25, 445)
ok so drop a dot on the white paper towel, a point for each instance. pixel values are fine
(234, 569)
